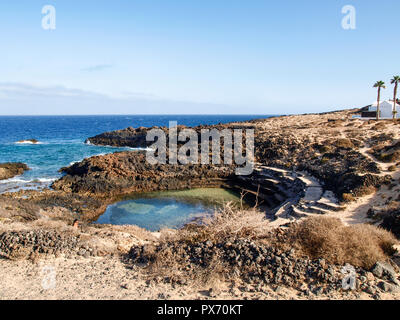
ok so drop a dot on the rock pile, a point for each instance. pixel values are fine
(257, 264)
(26, 244)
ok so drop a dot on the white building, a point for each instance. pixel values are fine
(385, 110)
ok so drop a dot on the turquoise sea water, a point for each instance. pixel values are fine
(62, 140)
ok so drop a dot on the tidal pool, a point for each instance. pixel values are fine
(167, 209)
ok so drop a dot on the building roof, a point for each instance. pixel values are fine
(382, 103)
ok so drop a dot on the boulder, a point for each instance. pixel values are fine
(384, 270)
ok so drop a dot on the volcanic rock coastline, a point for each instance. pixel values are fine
(10, 170)
(322, 181)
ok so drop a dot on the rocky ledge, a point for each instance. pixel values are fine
(10, 170)
(127, 172)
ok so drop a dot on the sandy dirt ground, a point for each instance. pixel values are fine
(112, 279)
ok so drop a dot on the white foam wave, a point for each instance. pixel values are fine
(45, 180)
(18, 180)
(27, 142)
(139, 149)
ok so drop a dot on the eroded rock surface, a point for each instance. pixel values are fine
(127, 172)
(10, 170)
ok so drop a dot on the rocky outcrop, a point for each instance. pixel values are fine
(340, 168)
(128, 172)
(10, 170)
(136, 137)
(129, 137)
(31, 141)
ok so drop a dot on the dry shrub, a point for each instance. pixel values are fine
(228, 222)
(379, 126)
(324, 237)
(324, 160)
(171, 261)
(379, 139)
(324, 149)
(389, 157)
(392, 168)
(347, 197)
(344, 143)
(364, 191)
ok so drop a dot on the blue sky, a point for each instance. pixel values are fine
(194, 57)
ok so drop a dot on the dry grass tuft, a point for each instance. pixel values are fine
(228, 222)
(347, 197)
(389, 157)
(323, 237)
(379, 126)
(344, 143)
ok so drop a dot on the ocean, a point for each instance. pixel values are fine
(62, 141)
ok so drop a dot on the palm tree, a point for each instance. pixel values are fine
(379, 85)
(395, 81)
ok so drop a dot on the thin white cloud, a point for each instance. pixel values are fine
(131, 94)
(21, 90)
(20, 98)
(98, 67)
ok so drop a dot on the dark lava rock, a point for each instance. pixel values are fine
(22, 244)
(10, 169)
(127, 172)
(388, 287)
(384, 270)
(391, 221)
(255, 262)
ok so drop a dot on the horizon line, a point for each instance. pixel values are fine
(146, 114)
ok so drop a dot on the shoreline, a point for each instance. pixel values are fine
(303, 177)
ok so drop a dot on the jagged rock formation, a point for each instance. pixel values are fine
(136, 137)
(128, 172)
(10, 170)
(129, 137)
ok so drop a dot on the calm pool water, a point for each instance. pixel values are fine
(168, 209)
